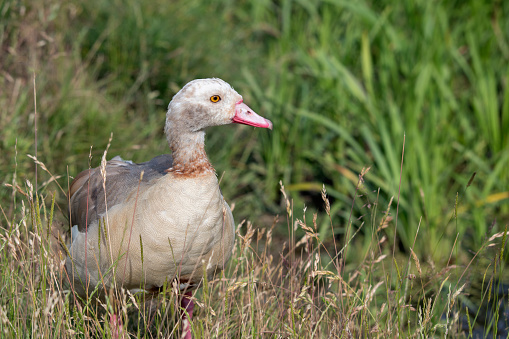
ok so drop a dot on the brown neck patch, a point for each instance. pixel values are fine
(190, 163)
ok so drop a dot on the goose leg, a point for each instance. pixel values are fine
(187, 306)
(116, 327)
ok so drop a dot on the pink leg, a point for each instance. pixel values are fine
(116, 326)
(188, 305)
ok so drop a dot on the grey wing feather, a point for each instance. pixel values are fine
(87, 203)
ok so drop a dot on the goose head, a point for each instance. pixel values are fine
(209, 102)
(199, 104)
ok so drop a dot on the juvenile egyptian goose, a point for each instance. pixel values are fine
(172, 203)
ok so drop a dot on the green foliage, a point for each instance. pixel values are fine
(348, 81)
(345, 83)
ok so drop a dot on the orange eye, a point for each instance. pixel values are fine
(215, 98)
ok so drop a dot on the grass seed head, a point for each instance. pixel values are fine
(325, 200)
(416, 260)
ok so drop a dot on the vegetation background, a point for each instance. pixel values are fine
(399, 111)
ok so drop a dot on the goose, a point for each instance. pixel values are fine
(139, 226)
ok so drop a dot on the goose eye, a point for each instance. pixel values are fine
(215, 98)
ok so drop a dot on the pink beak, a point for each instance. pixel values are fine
(245, 115)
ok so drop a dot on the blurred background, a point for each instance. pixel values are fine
(347, 84)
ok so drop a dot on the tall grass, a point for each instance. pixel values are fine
(271, 287)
